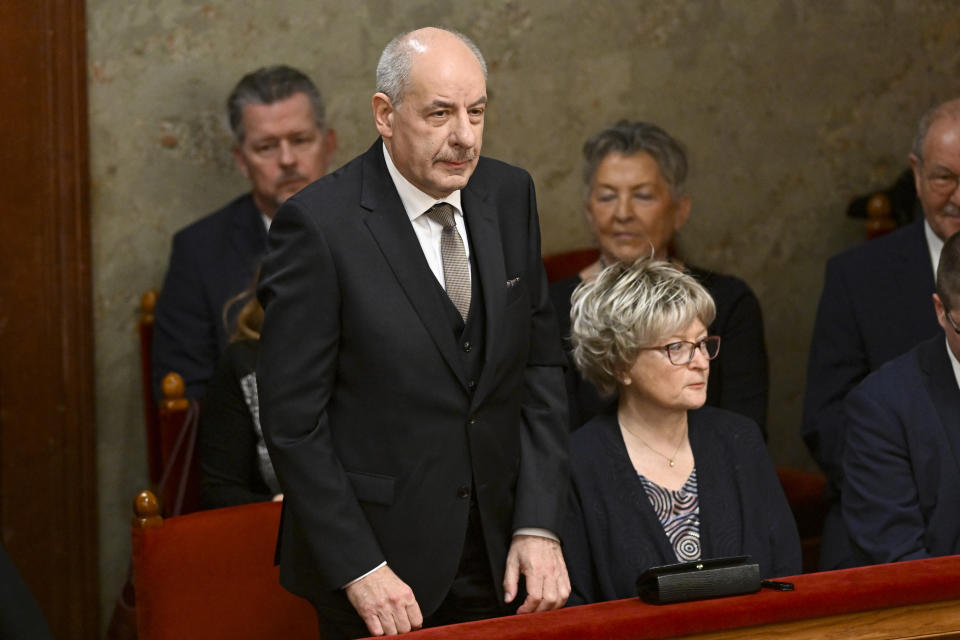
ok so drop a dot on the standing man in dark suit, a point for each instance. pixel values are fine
(282, 144)
(901, 462)
(410, 371)
(876, 306)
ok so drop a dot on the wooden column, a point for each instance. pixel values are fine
(48, 506)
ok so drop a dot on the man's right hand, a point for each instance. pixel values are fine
(385, 603)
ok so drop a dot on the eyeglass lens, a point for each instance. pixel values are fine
(710, 347)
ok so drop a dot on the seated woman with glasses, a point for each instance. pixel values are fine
(663, 479)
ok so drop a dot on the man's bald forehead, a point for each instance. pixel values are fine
(393, 69)
(944, 114)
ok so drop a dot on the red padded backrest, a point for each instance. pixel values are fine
(210, 574)
(569, 263)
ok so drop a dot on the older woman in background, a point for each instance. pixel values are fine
(664, 478)
(635, 175)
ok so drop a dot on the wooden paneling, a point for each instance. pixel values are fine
(48, 518)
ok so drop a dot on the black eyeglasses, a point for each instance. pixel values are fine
(683, 352)
(953, 324)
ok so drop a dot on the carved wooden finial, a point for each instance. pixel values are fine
(879, 215)
(173, 389)
(148, 303)
(146, 510)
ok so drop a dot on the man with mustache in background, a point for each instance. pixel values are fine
(281, 144)
(410, 371)
(877, 304)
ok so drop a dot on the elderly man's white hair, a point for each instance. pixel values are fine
(393, 70)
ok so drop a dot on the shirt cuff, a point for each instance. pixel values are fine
(359, 578)
(536, 531)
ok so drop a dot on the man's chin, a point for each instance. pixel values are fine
(947, 225)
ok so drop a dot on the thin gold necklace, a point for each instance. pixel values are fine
(671, 460)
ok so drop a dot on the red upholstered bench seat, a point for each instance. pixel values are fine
(817, 595)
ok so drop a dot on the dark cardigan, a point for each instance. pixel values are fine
(612, 534)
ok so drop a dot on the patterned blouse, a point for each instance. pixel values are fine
(248, 384)
(679, 513)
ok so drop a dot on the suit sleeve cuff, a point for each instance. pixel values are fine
(359, 578)
(536, 531)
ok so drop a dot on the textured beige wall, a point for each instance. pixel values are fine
(788, 107)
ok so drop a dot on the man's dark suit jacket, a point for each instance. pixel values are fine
(901, 491)
(376, 434)
(212, 260)
(612, 532)
(876, 305)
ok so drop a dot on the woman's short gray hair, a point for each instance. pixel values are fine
(631, 137)
(393, 70)
(628, 307)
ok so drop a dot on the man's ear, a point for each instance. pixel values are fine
(383, 111)
(941, 312)
(330, 142)
(915, 165)
(329, 147)
(240, 162)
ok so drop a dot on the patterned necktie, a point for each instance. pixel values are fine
(456, 274)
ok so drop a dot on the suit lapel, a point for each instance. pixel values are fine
(485, 244)
(248, 234)
(944, 393)
(915, 282)
(391, 229)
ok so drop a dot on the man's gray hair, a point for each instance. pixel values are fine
(629, 307)
(268, 85)
(631, 137)
(950, 108)
(393, 69)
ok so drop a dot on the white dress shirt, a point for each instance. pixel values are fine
(416, 203)
(934, 245)
(953, 363)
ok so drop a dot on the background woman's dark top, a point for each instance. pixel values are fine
(738, 376)
(233, 457)
(612, 533)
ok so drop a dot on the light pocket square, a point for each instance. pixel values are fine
(512, 282)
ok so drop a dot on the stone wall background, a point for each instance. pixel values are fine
(789, 108)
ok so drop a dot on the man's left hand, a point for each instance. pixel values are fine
(540, 560)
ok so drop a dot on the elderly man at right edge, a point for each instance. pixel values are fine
(877, 305)
(410, 371)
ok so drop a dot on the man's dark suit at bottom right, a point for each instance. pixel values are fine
(901, 461)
